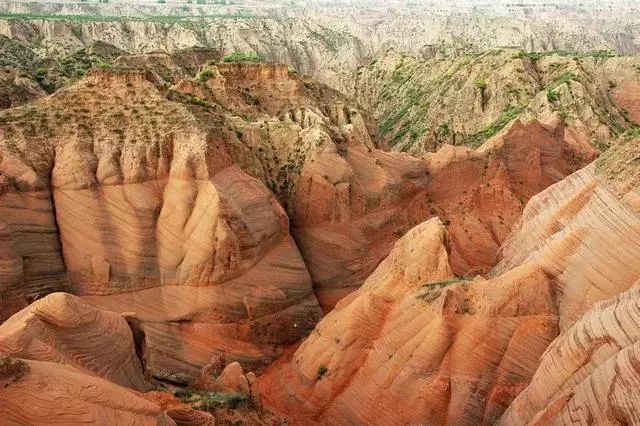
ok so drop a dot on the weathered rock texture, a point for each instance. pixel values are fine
(133, 201)
(331, 41)
(39, 393)
(415, 345)
(351, 207)
(589, 374)
(63, 329)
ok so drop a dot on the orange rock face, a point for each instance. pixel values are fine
(590, 373)
(351, 207)
(412, 330)
(63, 329)
(157, 222)
(414, 345)
(37, 393)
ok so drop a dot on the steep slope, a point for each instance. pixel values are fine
(422, 103)
(116, 193)
(471, 346)
(590, 373)
(351, 207)
(414, 344)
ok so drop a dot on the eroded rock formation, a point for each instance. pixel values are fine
(414, 344)
(63, 329)
(35, 392)
(137, 205)
(351, 207)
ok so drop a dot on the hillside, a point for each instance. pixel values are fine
(421, 104)
(319, 212)
(328, 42)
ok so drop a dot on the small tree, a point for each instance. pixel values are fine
(322, 370)
(480, 84)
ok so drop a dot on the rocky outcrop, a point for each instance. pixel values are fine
(351, 206)
(148, 214)
(414, 330)
(63, 329)
(472, 346)
(35, 392)
(589, 373)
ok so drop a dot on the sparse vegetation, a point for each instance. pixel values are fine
(322, 370)
(192, 99)
(445, 283)
(443, 130)
(243, 57)
(205, 74)
(552, 95)
(509, 114)
(535, 56)
(480, 84)
(564, 78)
(331, 39)
(208, 401)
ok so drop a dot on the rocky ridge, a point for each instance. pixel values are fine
(413, 329)
(328, 43)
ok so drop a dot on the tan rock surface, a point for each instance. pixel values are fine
(590, 373)
(37, 393)
(63, 329)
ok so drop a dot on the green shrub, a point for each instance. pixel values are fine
(399, 76)
(205, 74)
(443, 130)
(566, 77)
(197, 101)
(480, 83)
(210, 400)
(322, 370)
(553, 96)
(243, 57)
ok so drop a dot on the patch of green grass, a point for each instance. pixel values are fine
(192, 99)
(443, 130)
(480, 83)
(243, 57)
(445, 283)
(509, 114)
(632, 133)
(390, 123)
(564, 78)
(399, 76)
(205, 74)
(208, 401)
